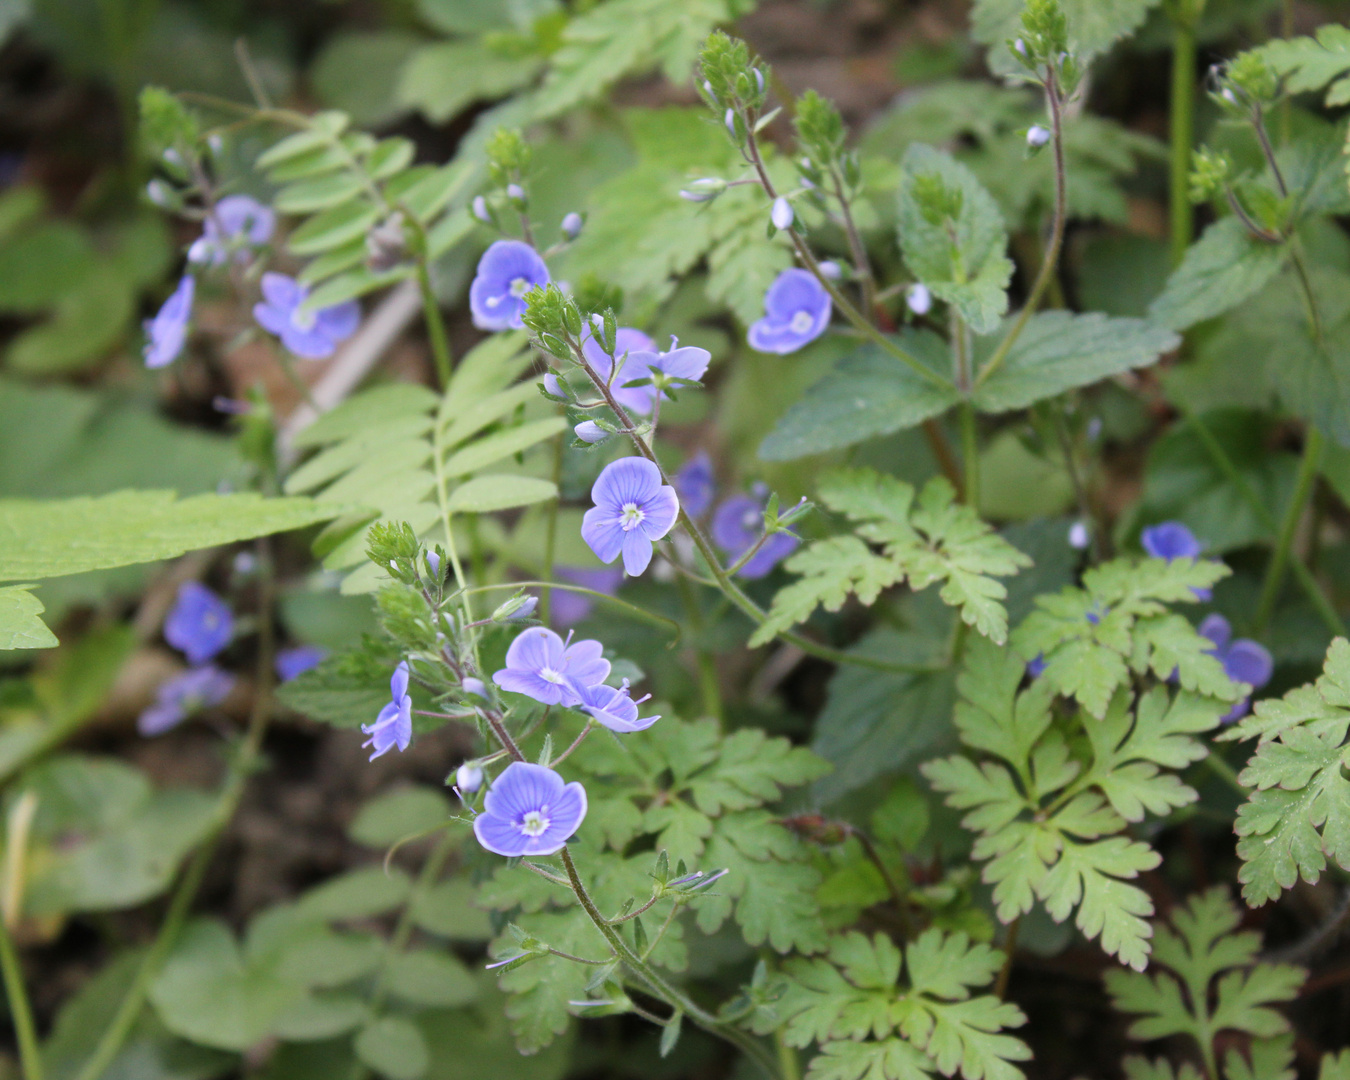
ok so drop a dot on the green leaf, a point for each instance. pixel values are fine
(1059, 351)
(444, 78)
(1306, 63)
(333, 228)
(20, 627)
(1221, 270)
(484, 494)
(427, 977)
(307, 196)
(394, 1047)
(111, 841)
(1299, 815)
(358, 73)
(1094, 25)
(869, 393)
(961, 258)
(925, 541)
(53, 537)
(448, 910)
(357, 894)
(1206, 946)
(86, 321)
(399, 814)
(345, 690)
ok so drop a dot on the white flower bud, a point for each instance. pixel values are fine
(759, 79)
(730, 121)
(159, 193)
(1037, 136)
(571, 225)
(918, 298)
(589, 431)
(1020, 46)
(480, 210)
(830, 269)
(469, 778)
(781, 215)
(1079, 538)
(516, 192)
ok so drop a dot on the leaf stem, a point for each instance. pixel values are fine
(20, 1009)
(431, 313)
(1051, 259)
(857, 248)
(1009, 951)
(1279, 559)
(970, 457)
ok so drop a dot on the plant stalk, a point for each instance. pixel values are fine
(20, 1009)
(1181, 133)
(431, 312)
(1279, 559)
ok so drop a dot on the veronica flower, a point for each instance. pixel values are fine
(1172, 540)
(238, 221)
(737, 524)
(166, 333)
(199, 624)
(687, 362)
(539, 664)
(528, 810)
(633, 509)
(393, 726)
(311, 334)
(183, 695)
(796, 312)
(614, 709)
(569, 607)
(694, 484)
(1243, 660)
(919, 299)
(294, 662)
(506, 272)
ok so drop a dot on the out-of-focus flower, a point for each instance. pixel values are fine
(506, 272)
(1244, 660)
(737, 524)
(796, 312)
(1172, 540)
(199, 624)
(311, 334)
(570, 607)
(239, 222)
(166, 333)
(694, 484)
(294, 662)
(183, 695)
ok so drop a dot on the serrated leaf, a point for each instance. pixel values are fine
(962, 261)
(20, 625)
(1306, 63)
(1094, 25)
(443, 78)
(1221, 270)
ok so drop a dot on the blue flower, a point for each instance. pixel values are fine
(394, 724)
(167, 331)
(311, 334)
(1172, 540)
(796, 312)
(245, 223)
(291, 663)
(569, 607)
(643, 358)
(506, 272)
(736, 526)
(199, 624)
(1243, 660)
(633, 509)
(539, 664)
(183, 695)
(614, 709)
(528, 810)
(694, 484)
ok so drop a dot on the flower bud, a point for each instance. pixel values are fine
(1079, 537)
(159, 193)
(918, 298)
(588, 431)
(1037, 136)
(480, 210)
(781, 215)
(830, 269)
(518, 607)
(469, 777)
(434, 564)
(515, 192)
(571, 225)
(730, 121)
(473, 686)
(704, 189)
(759, 79)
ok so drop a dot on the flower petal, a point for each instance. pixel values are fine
(637, 552)
(603, 533)
(1249, 662)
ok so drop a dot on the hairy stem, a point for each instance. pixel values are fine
(857, 249)
(551, 533)
(1279, 559)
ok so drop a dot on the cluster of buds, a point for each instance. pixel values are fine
(1042, 48)
(554, 319)
(734, 86)
(1244, 86)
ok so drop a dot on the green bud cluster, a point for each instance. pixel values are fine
(820, 137)
(1210, 173)
(734, 87)
(1042, 48)
(169, 133)
(508, 156)
(1245, 83)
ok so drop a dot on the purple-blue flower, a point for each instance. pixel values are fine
(393, 727)
(183, 695)
(539, 664)
(796, 312)
(238, 222)
(311, 334)
(294, 662)
(1243, 660)
(567, 607)
(529, 810)
(737, 524)
(506, 272)
(199, 624)
(166, 333)
(679, 362)
(615, 709)
(633, 509)
(694, 484)
(1172, 540)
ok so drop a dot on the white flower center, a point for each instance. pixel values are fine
(302, 319)
(549, 675)
(632, 516)
(801, 322)
(519, 287)
(534, 823)
(751, 519)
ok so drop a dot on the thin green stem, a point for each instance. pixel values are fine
(1220, 768)
(970, 457)
(1306, 580)
(857, 248)
(1052, 249)
(551, 533)
(1009, 951)
(789, 1062)
(631, 609)
(1279, 560)
(1181, 134)
(431, 312)
(707, 668)
(20, 1009)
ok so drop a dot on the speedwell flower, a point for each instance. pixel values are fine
(539, 664)
(294, 662)
(570, 607)
(166, 333)
(680, 362)
(311, 334)
(1243, 660)
(394, 724)
(506, 272)
(694, 484)
(736, 526)
(199, 624)
(183, 695)
(633, 509)
(529, 810)
(1172, 540)
(615, 709)
(239, 222)
(796, 312)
